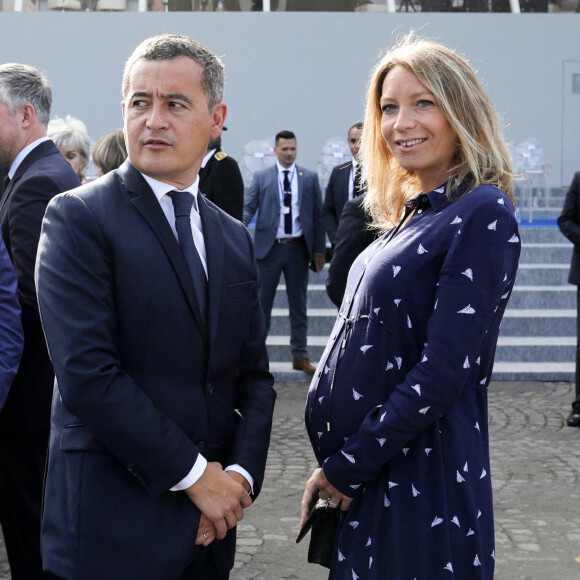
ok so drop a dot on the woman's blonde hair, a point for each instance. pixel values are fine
(482, 155)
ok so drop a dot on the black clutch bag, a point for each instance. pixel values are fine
(323, 521)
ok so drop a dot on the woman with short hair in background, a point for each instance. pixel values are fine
(71, 137)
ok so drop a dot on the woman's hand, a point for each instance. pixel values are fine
(319, 487)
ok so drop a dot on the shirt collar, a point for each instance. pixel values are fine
(438, 197)
(23, 153)
(207, 157)
(160, 188)
(281, 168)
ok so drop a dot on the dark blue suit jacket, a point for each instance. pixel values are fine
(43, 173)
(140, 392)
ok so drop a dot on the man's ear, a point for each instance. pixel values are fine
(219, 114)
(26, 115)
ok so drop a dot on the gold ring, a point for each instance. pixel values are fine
(204, 536)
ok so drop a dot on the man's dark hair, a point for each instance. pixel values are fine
(285, 135)
(358, 125)
(170, 46)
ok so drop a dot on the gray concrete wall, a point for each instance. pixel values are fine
(305, 71)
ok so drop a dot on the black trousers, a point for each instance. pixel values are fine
(576, 403)
(22, 466)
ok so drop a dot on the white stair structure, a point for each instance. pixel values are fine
(538, 334)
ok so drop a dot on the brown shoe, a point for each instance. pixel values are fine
(303, 364)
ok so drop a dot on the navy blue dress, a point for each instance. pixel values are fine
(397, 409)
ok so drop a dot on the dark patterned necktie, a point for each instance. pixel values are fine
(356, 190)
(287, 203)
(182, 203)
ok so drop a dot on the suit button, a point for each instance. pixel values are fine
(210, 388)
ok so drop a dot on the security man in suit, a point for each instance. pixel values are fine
(569, 224)
(220, 180)
(37, 172)
(289, 236)
(344, 184)
(149, 299)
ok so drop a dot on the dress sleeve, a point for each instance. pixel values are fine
(473, 286)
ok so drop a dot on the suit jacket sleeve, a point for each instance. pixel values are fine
(11, 335)
(352, 238)
(329, 208)
(27, 206)
(319, 231)
(228, 187)
(252, 200)
(78, 310)
(568, 222)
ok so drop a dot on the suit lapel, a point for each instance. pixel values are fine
(272, 200)
(45, 148)
(214, 252)
(146, 204)
(300, 179)
(347, 171)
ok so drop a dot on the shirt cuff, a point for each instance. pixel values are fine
(195, 473)
(239, 469)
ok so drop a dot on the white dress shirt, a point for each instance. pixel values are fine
(351, 180)
(296, 225)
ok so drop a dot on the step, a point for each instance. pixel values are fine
(534, 296)
(550, 234)
(543, 297)
(544, 273)
(534, 371)
(516, 322)
(509, 348)
(539, 322)
(317, 297)
(553, 253)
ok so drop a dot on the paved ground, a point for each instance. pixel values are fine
(535, 470)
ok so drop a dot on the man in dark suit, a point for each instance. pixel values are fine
(220, 180)
(148, 297)
(354, 234)
(343, 184)
(569, 224)
(289, 236)
(37, 172)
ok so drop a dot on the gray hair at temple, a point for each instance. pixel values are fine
(170, 46)
(22, 84)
